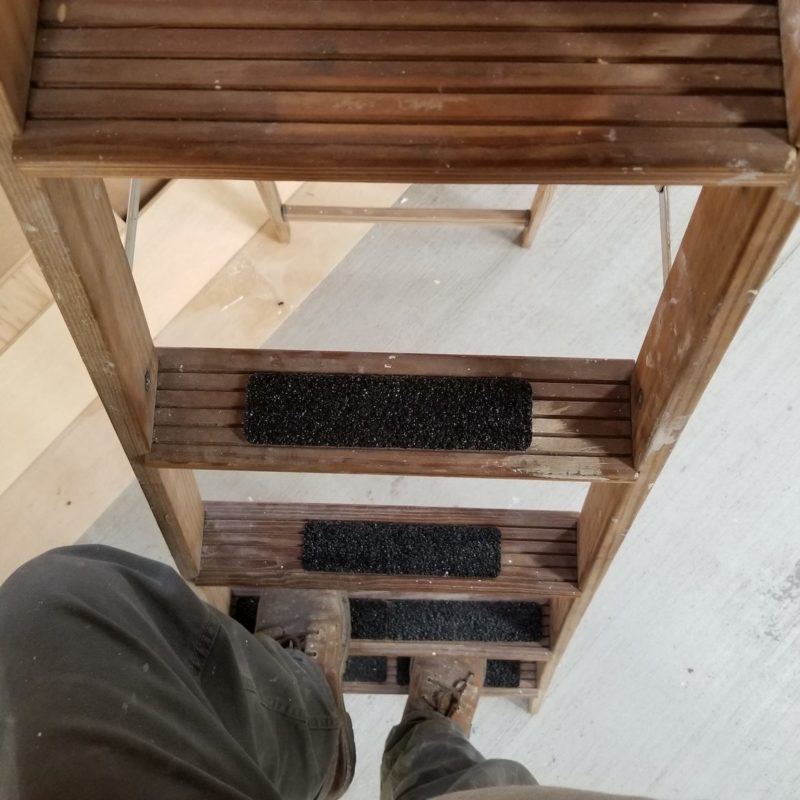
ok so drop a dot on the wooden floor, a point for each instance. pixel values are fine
(682, 682)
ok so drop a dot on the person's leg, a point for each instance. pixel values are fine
(429, 754)
(116, 681)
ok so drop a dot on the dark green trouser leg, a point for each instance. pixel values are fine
(428, 757)
(118, 683)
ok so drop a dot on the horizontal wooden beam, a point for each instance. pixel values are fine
(503, 651)
(463, 216)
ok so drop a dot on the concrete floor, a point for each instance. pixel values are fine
(682, 681)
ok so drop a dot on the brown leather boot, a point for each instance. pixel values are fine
(317, 622)
(450, 685)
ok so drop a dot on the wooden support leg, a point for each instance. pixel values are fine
(279, 227)
(72, 232)
(731, 243)
(541, 200)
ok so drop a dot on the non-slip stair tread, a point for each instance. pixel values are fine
(580, 429)
(388, 411)
(397, 548)
(261, 544)
(467, 91)
(446, 620)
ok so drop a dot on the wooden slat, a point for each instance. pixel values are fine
(432, 216)
(505, 651)
(237, 381)
(408, 153)
(251, 544)
(269, 513)
(407, 76)
(424, 44)
(224, 360)
(402, 108)
(332, 14)
(730, 246)
(552, 445)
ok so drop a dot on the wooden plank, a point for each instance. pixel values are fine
(387, 45)
(730, 245)
(790, 47)
(436, 216)
(407, 76)
(723, 111)
(72, 232)
(415, 153)
(17, 35)
(505, 651)
(227, 360)
(549, 445)
(300, 512)
(332, 14)
(544, 390)
(394, 462)
(251, 573)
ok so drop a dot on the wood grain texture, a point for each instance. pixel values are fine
(435, 91)
(434, 216)
(213, 43)
(255, 544)
(504, 651)
(200, 422)
(404, 153)
(332, 14)
(730, 245)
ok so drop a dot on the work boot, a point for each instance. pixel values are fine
(316, 622)
(450, 685)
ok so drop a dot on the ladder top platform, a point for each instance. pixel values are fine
(483, 91)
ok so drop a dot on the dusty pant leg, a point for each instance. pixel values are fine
(116, 681)
(429, 756)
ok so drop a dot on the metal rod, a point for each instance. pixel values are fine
(132, 218)
(666, 238)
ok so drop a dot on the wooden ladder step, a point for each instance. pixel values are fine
(260, 544)
(474, 91)
(528, 683)
(581, 415)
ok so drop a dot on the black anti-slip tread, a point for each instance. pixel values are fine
(446, 620)
(368, 669)
(388, 411)
(392, 548)
(499, 674)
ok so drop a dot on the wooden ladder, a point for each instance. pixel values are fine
(438, 92)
